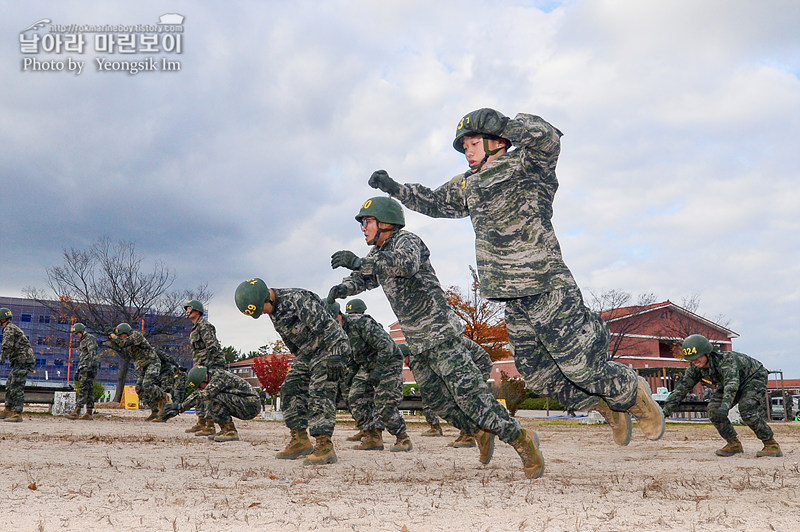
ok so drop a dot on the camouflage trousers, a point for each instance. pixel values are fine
(377, 407)
(453, 387)
(752, 402)
(484, 363)
(343, 387)
(15, 385)
(85, 395)
(203, 408)
(308, 396)
(225, 406)
(560, 348)
(147, 387)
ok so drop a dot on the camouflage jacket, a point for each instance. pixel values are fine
(306, 326)
(138, 349)
(205, 346)
(729, 371)
(16, 347)
(510, 203)
(88, 359)
(370, 344)
(167, 362)
(401, 266)
(180, 380)
(220, 382)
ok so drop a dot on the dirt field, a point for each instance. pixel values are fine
(119, 472)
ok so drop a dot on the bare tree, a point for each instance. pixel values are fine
(613, 304)
(682, 325)
(107, 284)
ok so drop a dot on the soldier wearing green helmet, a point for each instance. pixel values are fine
(736, 379)
(17, 349)
(560, 346)
(206, 352)
(355, 306)
(320, 348)
(399, 262)
(88, 364)
(146, 361)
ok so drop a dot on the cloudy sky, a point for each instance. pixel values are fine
(678, 170)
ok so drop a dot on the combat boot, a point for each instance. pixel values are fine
(88, 415)
(647, 412)
(527, 446)
(358, 436)
(208, 429)
(227, 432)
(434, 430)
(620, 422)
(771, 448)
(464, 440)
(372, 442)
(403, 443)
(5, 413)
(74, 414)
(161, 406)
(734, 446)
(298, 446)
(485, 441)
(14, 417)
(201, 423)
(323, 452)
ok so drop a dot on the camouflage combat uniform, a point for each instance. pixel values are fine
(737, 379)
(146, 361)
(559, 345)
(312, 335)
(448, 378)
(228, 396)
(206, 352)
(88, 364)
(17, 349)
(179, 386)
(375, 406)
(166, 375)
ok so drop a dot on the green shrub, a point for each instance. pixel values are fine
(540, 403)
(410, 389)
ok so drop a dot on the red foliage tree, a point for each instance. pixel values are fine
(271, 371)
(482, 319)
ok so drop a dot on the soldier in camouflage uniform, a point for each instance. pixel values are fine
(145, 360)
(354, 306)
(179, 384)
(166, 381)
(738, 379)
(320, 348)
(17, 349)
(448, 378)
(227, 395)
(560, 347)
(88, 364)
(206, 352)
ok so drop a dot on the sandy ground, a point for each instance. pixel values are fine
(122, 473)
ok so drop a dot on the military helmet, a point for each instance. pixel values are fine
(333, 308)
(5, 314)
(194, 304)
(696, 346)
(405, 349)
(78, 327)
(197, 375)
(123, 328)
(250, 297)
(355, 306)
(384, 210)
(467, 127)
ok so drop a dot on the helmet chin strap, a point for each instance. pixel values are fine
(487, 153)
(374, 241)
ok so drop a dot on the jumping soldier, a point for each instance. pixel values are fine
(448, 378)
(737, 379)
(320, 347)
(17, 349)
(88, 364)
(560, 347)
(206, 352)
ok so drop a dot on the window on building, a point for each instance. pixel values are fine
(44, 319)
(25, 318)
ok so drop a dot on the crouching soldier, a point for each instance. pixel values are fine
(17, 349)
(227, 396)
(739, 379)
(88, 364)
(320, 348)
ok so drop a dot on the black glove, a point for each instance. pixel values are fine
(335, 367)
(721, 414)
(345, 258)
(381, 180)
(667, 411)
(337, 291)
(374, 377)
(488, 121)
(171, 410)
